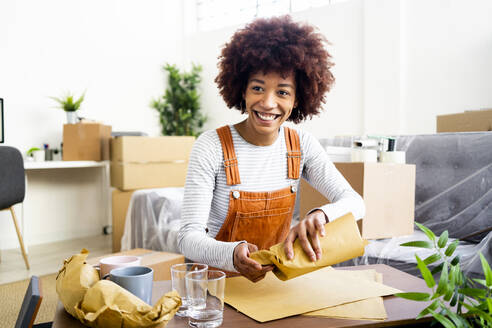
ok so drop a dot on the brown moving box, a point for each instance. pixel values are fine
(388, 191)
(474, 120)
(120, 202)
(130, 149)
(128, 176)
(86, 142)
(149, 162)
(160, 262)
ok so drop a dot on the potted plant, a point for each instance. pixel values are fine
(457, 300)
(68, 103)
(179, 107)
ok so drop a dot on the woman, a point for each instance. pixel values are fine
(242, 180)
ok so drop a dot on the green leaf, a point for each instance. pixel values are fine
(418, 243)
(476, 310)
(443, 239)
(432, 258)
(486, 270)
(454, 273)
(457, 320)
(437, 269)
(414, 296)
(427, 231)
(426, 274)
(442, 319)
(425, 311)
(455, 260)
(31, 150)
(451, 248)
(443, 281)
(473, 292)
(489, 304)
(454, 299)
(481, 282)
(449, 292)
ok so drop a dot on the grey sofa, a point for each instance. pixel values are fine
(453, 192)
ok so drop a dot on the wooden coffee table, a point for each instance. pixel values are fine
(400, 311)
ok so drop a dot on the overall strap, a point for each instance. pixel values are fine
(293, 153)
(230, 159)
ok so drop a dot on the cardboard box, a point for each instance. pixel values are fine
(150, 175)
(120, 203)
(129, 149)
(475, 120)
(86, 142)
(160, 262)
(388, 191)
(149, 162)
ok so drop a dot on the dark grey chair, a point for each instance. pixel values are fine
(12, 186)
(30, 306)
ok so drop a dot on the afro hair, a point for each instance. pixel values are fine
(277, 45)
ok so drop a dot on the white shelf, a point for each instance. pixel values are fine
(62, 164)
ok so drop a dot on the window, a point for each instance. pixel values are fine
(214, 14)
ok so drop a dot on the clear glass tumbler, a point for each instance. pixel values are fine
(205, 298)
(178, 273)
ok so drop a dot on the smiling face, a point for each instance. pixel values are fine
(269, 101)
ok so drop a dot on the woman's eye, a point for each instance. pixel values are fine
(283, 93)
(257, 88)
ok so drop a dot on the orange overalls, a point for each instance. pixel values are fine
(260, 218)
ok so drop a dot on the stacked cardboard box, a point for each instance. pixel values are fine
(120, 203)
(474, 120)
(141, 163)
(86, 142)
(388, 191)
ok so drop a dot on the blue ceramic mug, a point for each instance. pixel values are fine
(137, 280)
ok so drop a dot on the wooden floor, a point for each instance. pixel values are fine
(48, 258)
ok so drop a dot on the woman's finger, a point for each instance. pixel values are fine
(250, 263)
(320, 226)
(310, 227)
(306, 245)
(288, 248)
(316, 245)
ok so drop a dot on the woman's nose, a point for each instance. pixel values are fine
(269, 100)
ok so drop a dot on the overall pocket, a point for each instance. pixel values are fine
(262, 228)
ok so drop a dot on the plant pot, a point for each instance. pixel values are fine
(71, 117)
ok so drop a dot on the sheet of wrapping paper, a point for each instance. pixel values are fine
(271, 298)
(99, 303)
(108, 305)
(342, 242)
(368, 309)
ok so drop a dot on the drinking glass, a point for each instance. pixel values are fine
(205, 298)
(178, 273)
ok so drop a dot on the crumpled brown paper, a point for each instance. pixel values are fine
(342, 242)
(102, 303)
(74, 279)
(108, 305)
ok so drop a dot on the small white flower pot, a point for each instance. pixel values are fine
(71, 117)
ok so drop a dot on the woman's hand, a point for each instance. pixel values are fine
(307, 231)
(248, 267)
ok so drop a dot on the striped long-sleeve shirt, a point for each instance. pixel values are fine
(261, 168)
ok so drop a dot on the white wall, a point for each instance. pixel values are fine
(398, 64)
(449, 59)
(114, 49)
(342, 26)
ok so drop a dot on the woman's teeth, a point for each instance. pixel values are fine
(266, 117)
